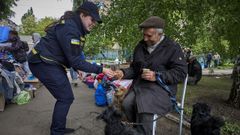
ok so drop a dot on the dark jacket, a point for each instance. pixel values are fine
(63, 45)
(168, 59)
(17, 49)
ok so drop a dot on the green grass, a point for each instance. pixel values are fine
(215, 92)
(231, 129)
(207, 87)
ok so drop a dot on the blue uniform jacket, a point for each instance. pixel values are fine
(63, 45)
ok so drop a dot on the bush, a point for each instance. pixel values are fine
(231, 129)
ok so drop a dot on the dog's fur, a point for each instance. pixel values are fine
(202, 123)
(114, 126)
(118, 97)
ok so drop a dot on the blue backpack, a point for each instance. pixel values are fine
(100, 96)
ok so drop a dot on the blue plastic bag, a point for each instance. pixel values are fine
(4, 32)
(100, 96)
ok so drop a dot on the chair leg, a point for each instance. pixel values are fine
(155, 116)
(182, 104)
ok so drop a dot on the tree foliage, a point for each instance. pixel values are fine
(43, 23)
(76, 3)
(27, 14)
(203, 25)
(30, 24)
(5, 6)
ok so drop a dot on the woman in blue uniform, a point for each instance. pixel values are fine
(60, 49)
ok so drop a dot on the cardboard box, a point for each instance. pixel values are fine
(2, 102)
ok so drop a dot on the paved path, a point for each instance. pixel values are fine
(217, 72)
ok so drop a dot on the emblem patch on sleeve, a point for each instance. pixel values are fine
(75, 42)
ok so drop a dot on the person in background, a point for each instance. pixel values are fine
(216, 59)
(74, 74)
(156, 55)
(36, 38)
(209, 59)
(187, 53)
(19, 50)
(194, 70)
(61, 49)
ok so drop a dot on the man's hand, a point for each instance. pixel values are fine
(108, 72)
(149, 75)
(118, 74)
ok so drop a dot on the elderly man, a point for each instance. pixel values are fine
(155, 54)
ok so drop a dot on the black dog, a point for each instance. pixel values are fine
(114, 126)
(202, 123)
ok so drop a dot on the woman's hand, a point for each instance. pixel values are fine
(108, 72)
(118, 74)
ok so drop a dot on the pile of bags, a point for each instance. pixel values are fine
(109, 92)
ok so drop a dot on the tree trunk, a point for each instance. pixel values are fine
(234, 97)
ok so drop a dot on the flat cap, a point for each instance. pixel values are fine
(153, 22)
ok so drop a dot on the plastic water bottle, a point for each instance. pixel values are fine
(110, 96)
